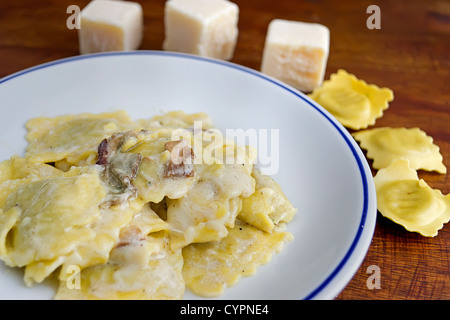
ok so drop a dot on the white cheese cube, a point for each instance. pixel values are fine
(203, 27)
(108, 25)
(296, 53)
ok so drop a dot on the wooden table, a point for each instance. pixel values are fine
(409, 54)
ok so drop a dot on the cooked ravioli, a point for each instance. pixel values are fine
(211, 206)
(41, 224)
(144, 268)
(267, 206)
(386, 144)
(72, 138)
(209, 268)
(353, 102)
(410, 201)
(20, 168)
(17, 171)
(118, 201)
(148, 221)
(177, 119)
(152, 184)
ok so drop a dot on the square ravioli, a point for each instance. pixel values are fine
(210, 206)
(17, 171)
(73, 138)
(352, 101)
(209, 268)
(35, 214)
(386, 144)
(144, 269)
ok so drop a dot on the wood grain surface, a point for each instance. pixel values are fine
(409, 54)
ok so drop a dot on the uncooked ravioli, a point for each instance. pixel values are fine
(352, 101)
(410, 201)
(386, 144)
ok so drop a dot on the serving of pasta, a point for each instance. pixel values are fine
(120, 209)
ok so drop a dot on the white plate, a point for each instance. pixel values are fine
(321, 169)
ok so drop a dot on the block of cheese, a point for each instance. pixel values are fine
(202, 27)
(109, 25)
(296, 53)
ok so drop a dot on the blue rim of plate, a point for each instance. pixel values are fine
(247, 70)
